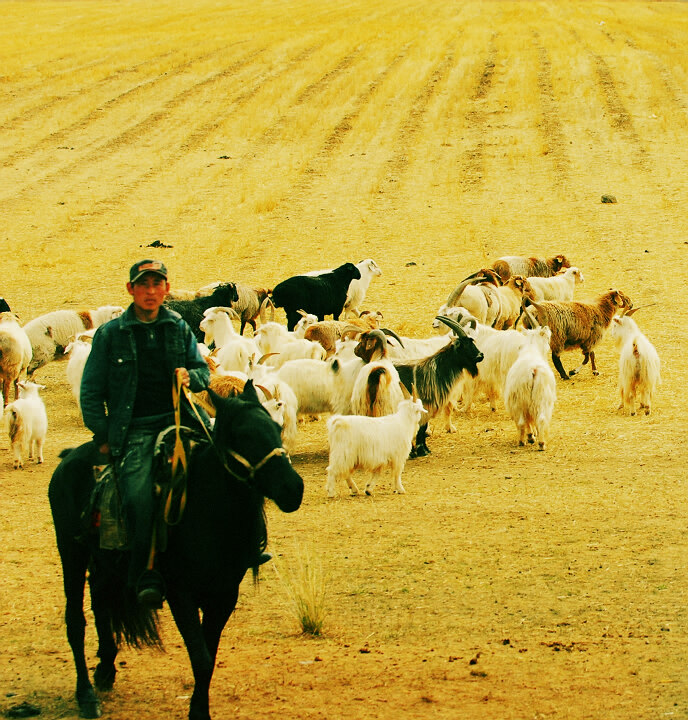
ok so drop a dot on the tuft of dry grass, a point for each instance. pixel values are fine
(304, 584)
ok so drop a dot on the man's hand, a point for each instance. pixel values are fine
(104, 450)
(184, 374)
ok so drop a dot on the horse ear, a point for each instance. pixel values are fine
(250, 391)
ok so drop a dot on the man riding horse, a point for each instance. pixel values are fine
(126, 400)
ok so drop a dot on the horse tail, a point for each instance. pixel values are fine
(131, 622)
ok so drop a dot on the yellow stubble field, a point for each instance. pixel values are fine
(263, 139)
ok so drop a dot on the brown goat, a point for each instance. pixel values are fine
(575, 325)
(511, 296)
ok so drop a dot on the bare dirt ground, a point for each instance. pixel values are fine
(260, 141)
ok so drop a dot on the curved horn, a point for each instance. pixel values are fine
(263, 310)
(456, 293)
(453, 325)
(266, 392)
(630, 311)
(391, 333)
(221, 308)
(531, 317)
(263, 358)
(303, 313)
(350, 330)
(404, 391)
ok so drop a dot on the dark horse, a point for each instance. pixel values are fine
(220, 535)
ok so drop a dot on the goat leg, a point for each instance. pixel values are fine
(592, 363)
(586, 357)
(559, 367)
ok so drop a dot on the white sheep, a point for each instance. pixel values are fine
(559, 287)
(51, 333)
(530, 389)
(373, 444)
(15, 353)
(639, 364)
(27, 423)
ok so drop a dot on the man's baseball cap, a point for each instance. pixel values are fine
(147, 266)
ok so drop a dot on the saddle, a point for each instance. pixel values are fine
(103, 514)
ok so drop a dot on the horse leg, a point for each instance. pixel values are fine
(214, 621)
(104, 674)
(74, 563)
(202, 661)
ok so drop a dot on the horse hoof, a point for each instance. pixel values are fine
(90, 710)
(90, 706)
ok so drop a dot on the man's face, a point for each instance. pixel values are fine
(148, 292)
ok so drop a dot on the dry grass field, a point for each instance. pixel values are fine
(267, 138)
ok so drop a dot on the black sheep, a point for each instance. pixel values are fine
(192, 310)
(319, 295)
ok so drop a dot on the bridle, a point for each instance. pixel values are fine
(251, 469)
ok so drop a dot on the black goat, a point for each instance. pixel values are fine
(435, 377)
(318, 295)
(192, 310)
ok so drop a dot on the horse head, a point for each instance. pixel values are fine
(249, 445)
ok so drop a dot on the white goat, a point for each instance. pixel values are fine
(639, 364)
(264, 377)
(282, 345)
(234, 352)
(27, 423)
(15, 353)
(500, 349)
(51, 333)
(530, 389)
(371, 443)
(416, 348)
(78, 351)
(560, 287)
(358, 288)
(307, 319)
(377, 390)
(271, 337)
(316, 385)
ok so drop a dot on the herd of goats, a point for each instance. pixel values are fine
(380, 389)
